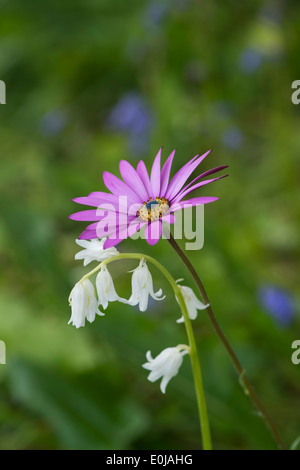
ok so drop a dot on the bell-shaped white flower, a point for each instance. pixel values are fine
(193, 304)
(106, 289)
(142, 287)
(93, 251)
(166, 365)
(83, 303)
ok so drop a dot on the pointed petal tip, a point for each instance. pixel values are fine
(87, 235)
(204, 155)
(212, 199)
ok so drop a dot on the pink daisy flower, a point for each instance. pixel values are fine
(139, 200)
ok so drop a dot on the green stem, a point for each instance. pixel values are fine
(248, 389)
(201, 402)
(204, 422)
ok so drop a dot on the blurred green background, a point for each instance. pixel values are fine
(90, 83)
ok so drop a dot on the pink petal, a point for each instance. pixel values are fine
(132, 179)
(182, 175)
(196, 201)
(118, 187)
(132, 210)
(155, 176)
(170, 184)
(184, 192)
(108, 226)
(110, 242)
(89, 233)
(209, 172)
(153, 232)
(88, 201)
(103, 196)
(118, 204)
(103, 228)
(169, 218)
(206, 173)
(122, 233)
(165, 174)
(85, 215)
(143, 174)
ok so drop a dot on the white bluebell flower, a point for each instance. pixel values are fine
(142, 287)
(193, 304)
(93, 251)
(83, 303)
(166, 365)
(106, 289)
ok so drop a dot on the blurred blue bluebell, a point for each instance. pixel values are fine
(250, 60)
(155, 13)
(279, 303)
(233, 138)
(53, 122)
(132, 116)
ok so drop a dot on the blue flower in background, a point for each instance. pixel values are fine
(279, 304)
(155, 13)
(251, 60)
(233, 138)
(53, 122)
(132, 116)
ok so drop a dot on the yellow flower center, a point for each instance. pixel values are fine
(153, 209)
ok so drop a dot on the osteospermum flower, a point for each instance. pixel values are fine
(139, 200)
(166, 365)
